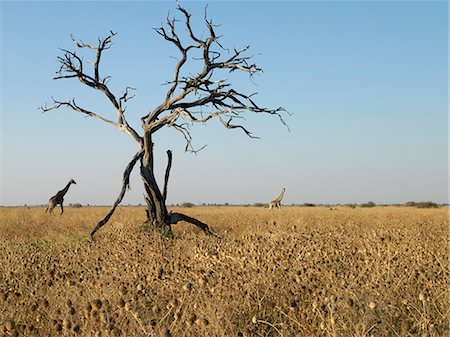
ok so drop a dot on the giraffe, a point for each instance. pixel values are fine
(276, 203)
(58, 198)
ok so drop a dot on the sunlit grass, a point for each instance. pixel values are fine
(300, 272)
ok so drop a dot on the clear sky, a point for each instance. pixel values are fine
(366, 84)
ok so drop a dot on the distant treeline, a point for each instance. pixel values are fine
(417, 204)
(420, 204)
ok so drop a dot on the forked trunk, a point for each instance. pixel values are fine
(157, 215)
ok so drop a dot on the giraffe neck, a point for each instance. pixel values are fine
(64, 191)
(281, 196)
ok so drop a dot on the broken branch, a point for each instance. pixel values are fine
(125, 184)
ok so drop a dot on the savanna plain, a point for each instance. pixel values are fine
(301, 271)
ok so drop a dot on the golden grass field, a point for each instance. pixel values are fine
(315, 271)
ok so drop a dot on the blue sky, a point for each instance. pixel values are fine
(366, 84)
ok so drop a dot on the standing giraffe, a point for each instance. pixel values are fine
(58, 198)
(277, 202)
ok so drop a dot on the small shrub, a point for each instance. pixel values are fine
(77, 205)
(259, 204)
(187, 204)
(426, 204)
(368, 204)
(308, 204)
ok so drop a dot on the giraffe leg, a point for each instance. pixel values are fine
(62, 208)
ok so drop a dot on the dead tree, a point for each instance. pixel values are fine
(191, 98)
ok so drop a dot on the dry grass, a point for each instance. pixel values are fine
(298, 272)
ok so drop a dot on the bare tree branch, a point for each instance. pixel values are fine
(72, 66)
(125, 98)
(125, 185)
(103, 44)
(184, 130)
(72, 105)
(166, 177)
(193, 91)
(228, 125)
(174, 218)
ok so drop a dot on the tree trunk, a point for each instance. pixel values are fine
(157, 214)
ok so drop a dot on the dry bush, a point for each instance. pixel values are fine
(296, 272)
(422, 204)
